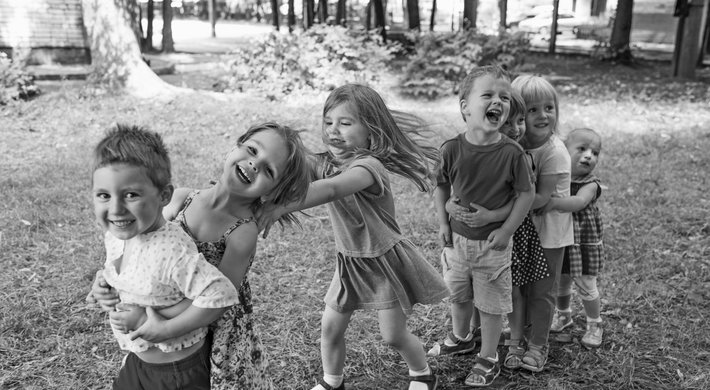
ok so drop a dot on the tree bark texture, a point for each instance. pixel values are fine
(470, 14)
(621, 31)
(168, 45)
(341, 13)
(115, 53)
(275, 14)
(323, 11)
(379, 9)
(413, 15)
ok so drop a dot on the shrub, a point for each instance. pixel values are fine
(15, 82)
(440, 60)
(320, 58)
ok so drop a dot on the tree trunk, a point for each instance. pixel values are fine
(341, 13)
(470, 14)
(291, 16)
(503, 12)
(275, 14)
(621, 32)
(148, 42)
(308, 6)
(689, 42)
(379, 9)
(212, 16)
(413, 15)
(168, 45)
(115, 54)
(432, 20)
(553, 28)
(323, 11)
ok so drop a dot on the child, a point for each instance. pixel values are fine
(528, 262)
(552, 161)
(153, 263)
(376, 267)
(583, 260)
(483, 167)
(269, 164)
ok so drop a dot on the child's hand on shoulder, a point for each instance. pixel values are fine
(266, 216)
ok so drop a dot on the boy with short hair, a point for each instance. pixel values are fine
(484, 167)
(153, 263)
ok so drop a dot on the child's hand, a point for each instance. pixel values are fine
(102, 294)
(499, 239)
(549, 206)
(266, 216)
(127, 317)
(153, 329)
(473, 216)
(445, 235)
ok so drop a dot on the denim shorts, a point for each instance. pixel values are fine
(473, 271)
(192, 372)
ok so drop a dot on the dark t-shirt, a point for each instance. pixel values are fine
(488, 175)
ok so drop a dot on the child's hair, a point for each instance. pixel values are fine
(294, 181)
(535, 88)
(396, 138)
(466, 84)
(135, 145)
(587, 129)
(517, 105)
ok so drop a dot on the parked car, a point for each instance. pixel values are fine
(541, 24)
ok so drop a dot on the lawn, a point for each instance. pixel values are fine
(655, 286)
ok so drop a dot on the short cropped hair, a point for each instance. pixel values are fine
(135, 145)
(466, 85)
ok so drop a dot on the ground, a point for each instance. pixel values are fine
(655, 205)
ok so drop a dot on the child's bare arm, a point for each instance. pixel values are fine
(441, 194)
(500, 237)
(571, 204)
(476, 215)
(545, 187)
(157, 329)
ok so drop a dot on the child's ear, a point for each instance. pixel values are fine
(166, 194)
(464, 108)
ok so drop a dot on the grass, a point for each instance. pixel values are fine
(655, 285)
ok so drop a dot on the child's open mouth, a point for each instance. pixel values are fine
(242, 175)
(494, 115)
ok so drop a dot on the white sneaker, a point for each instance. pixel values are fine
(593, 336)
(561, 320)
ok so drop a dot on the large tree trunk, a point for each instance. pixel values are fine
(432, 20)
(341, 13)
(291, 16)
(275, 14)
(323, 11)
(379, 9)
(413, 14)
(308, 16)
(115, 54)
(621, 32)
(168, 45)
(470, 14)
(148, 42)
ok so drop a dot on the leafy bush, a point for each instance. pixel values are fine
(15, 83)
(320, 58)
(441, 60)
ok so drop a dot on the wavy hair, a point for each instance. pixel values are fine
(396, 138)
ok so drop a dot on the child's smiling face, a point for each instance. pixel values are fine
(514, 127)
(343, 131)
(487, 106)
(584, 147)
(540, 121)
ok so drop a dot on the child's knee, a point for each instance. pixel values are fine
(587, 287)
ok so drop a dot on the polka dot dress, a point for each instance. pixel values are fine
(529, 263)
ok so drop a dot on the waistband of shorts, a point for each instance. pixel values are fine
(188, 362)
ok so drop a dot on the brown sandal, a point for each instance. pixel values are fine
(514, 358)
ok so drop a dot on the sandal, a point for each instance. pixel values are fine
(326, 386)
(431, 381)
(535, 358)
(514, 357)
(483, 377)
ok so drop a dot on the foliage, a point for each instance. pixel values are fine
(441, 60)
(15, 82)
(319, 58)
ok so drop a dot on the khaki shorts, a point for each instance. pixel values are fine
(473, 271)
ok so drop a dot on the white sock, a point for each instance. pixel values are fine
(419, 385)
(450, 343)
(333, 380)
(598, 320)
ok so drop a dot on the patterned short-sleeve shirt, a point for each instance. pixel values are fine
(160, 269)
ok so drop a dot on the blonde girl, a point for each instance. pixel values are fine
(552, 161)
(268, 164)
(375, 267)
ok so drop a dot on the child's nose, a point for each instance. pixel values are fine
(116, 207)
(253, 166)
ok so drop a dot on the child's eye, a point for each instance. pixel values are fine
(327, 122)
(505, 98)
(345, 123)
(103, 196)
(270, 172)
(132, 195)
(251, 149)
